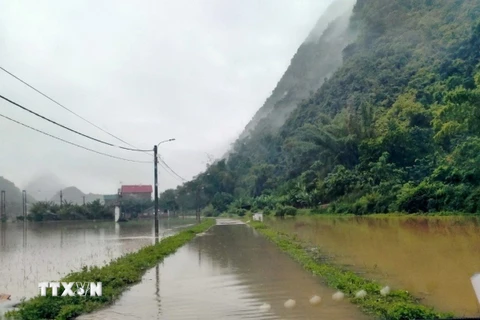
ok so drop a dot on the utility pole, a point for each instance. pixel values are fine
(83, 200)
(3, 206)
(155, 174)
(155, 160)
(61, 198)
(198, 203)
(24, 202)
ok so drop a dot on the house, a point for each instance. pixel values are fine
(136, 192)
(110, 199)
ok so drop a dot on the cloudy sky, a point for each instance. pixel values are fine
(145, 71)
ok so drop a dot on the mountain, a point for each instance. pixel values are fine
(317, 59)
(13, 197)
(44, 187)
(75, 196)
(377, 112)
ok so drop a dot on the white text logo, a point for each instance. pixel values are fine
(72, 288)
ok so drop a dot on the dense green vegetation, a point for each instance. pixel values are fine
(116, 277)
(44, 210)
(95, 210)
(396, 128)
(397, 305)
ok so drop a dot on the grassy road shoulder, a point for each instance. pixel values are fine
(116, 277)
(398, 305)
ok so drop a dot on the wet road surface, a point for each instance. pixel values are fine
(228, 273)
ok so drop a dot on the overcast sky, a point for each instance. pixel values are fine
(145, 71)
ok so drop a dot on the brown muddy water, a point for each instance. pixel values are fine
(431, 257)
(38, 252)
(228, 273)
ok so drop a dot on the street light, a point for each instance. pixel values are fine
(155, 161)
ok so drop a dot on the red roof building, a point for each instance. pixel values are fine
(136, 191)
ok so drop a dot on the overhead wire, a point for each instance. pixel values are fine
(67, 128)
(62, 106)
(162, 162)
(71, 143)
(177, 175)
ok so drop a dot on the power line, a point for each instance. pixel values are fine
(71, 143)
(62, 106)
(86, 136)
(91, 123)
(67, 128)
(163, 161)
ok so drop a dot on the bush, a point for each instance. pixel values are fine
(282, 211)
(370, 203)
(209, 211)
(238, 211)
(267, 212)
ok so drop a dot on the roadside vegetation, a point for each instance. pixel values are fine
(116, 277)
(48, 210)
(397, 305)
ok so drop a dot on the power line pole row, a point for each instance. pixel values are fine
(3, 205)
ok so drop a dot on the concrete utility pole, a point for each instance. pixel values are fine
(61, 198)
(83, 200)
(198, 203)
(197, 210)
(3, 206)
(155, 174)
(24, 202)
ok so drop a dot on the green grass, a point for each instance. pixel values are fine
(325, 213)
(116, 277)
(398, 305)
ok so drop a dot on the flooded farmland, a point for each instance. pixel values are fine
(47, 251)
(431, 257)
(231, 272)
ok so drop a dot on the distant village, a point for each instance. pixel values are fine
(129, 202)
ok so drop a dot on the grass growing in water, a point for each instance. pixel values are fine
(116, 277)
(398, 305)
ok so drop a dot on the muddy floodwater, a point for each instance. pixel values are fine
(431, 257)
(228, 273)
(38, 252)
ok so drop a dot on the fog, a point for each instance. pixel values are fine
(144, 71)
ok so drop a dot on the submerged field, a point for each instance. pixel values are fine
(432, 258)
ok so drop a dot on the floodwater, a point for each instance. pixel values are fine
(228, 273)
(431, 257)
(39, 252)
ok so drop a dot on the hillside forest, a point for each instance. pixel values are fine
(395, 128)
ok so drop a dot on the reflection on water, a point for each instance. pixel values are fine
(35, 252)
(227, 274)
(431, 257)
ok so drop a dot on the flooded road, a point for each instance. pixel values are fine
(48, 251)
(228, 273)
(431, 257)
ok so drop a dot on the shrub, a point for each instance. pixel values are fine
(282, 211)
